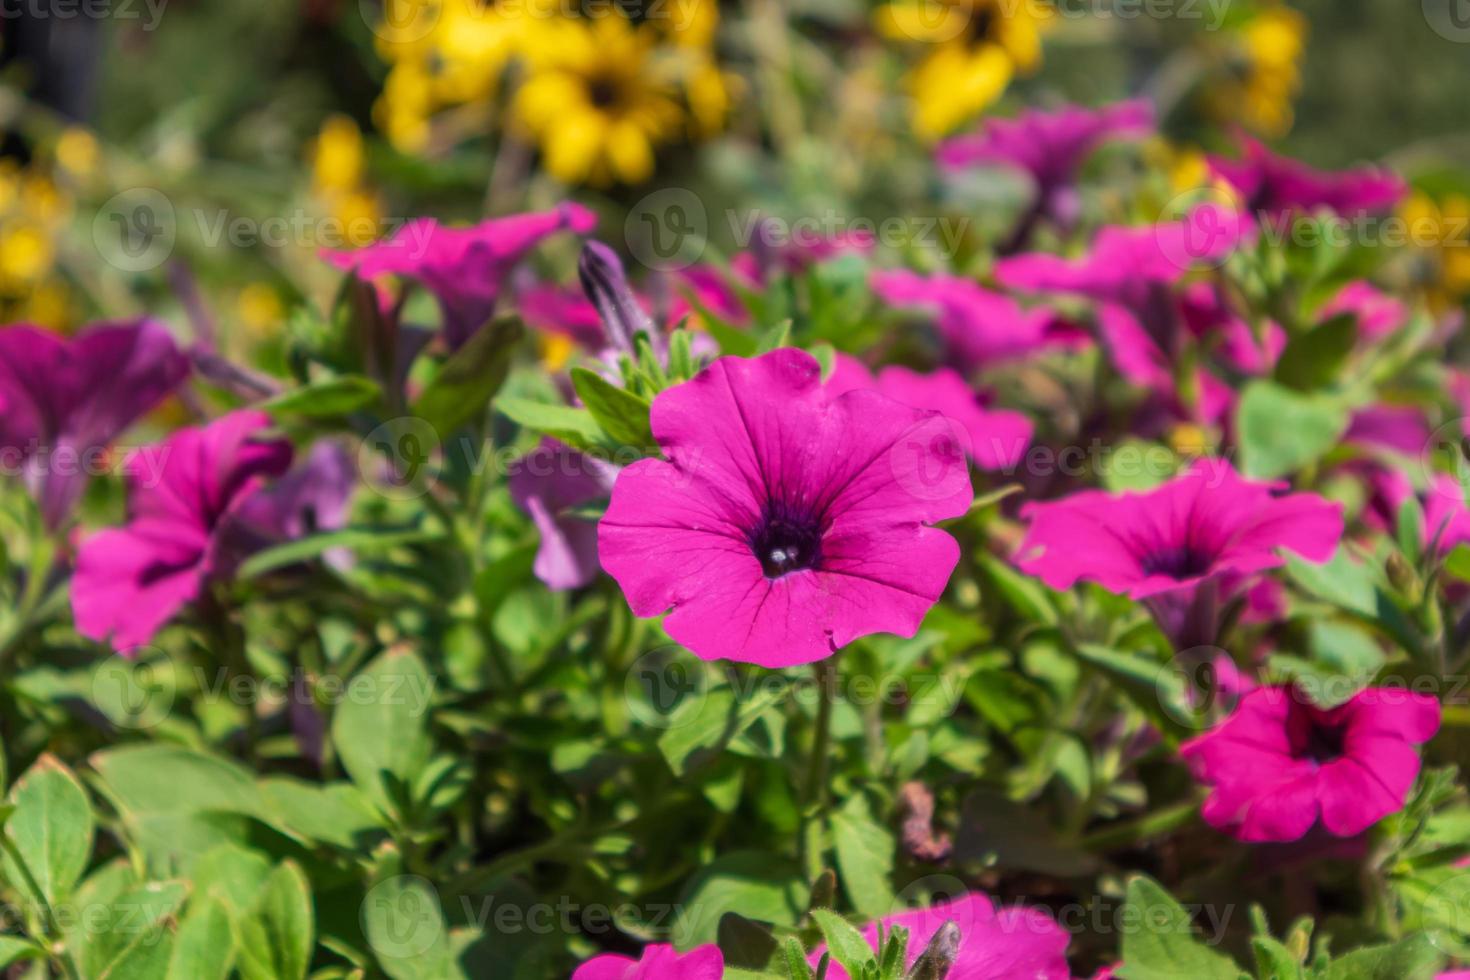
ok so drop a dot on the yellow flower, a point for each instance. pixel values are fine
(77, 152)
(26, 254)
(691, 26)
(260, 309)
(337, 160)
(556, 351)
(1263, 73)
(444, 53)
(1440, 231)
(976, 48)
(692, 23)
(596, 101)
(338, 182)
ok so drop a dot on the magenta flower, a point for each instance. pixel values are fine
(715, 290)
(1276, 186)
(1127, 264)
(995, 943)
(1279, 763)
(1130, 275)
(547, 483)
(562, 310)
(657, 963)
(1049, 148)
(1378, 314)
(979, 327)
(786, 521)
(63, 401)
(994, 439)
(1208, 523)
(1182, 548)
(465, 268)
(185, 499)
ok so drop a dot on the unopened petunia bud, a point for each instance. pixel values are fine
(606, 285)
(939, 956)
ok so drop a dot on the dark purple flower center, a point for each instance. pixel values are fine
(1323, 743)
(1180, 562)
(784, 543)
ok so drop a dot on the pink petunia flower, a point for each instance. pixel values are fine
(995, 943)
(1276, 186)
(980, 327)
(562, 310)
(547, 483)
(994, 439)
(1130, 275)
(183, 497)
(63, 401)
(1209, 527)
(714, 289)
(1049, 147)
(786, 522)
(658, 962)
(1278, 764)
(465, 268)
(198, 504)
(1379, 315)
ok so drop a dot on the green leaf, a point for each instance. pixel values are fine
(277, 936)
(381, 730)
(1457, 563)
(1024, 594)
(131, 938)
(331, 813)
(622, 415)
(574, 426)
(1283, 430)
(1162, 946)
(204, 946)
(706, 720)
(175, 803)
(797, 967)
(745, 944)
(1153, 687)
(469, 378)
(326, 398)
(1275, 961)
(755, 884)
(865, 850)
(1414, 958)
(844, 942)
(361, 540)
(775, 337)
(1315, 359)
(404, 924)
(51, 828)
(14, 949)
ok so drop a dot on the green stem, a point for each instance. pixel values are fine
(1150, 825)
(53, 926)
(816, 780)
